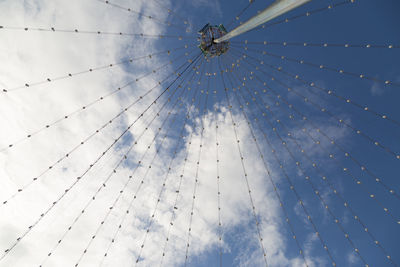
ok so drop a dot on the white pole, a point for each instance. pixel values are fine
(278, 8)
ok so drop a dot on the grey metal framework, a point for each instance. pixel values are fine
(207, 45)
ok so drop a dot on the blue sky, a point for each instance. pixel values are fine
(34, 56)
(364, 22)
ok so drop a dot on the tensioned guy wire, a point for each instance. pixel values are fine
(331, 92)
(332, 115)
(196, 177)
(324, 178)
(332, 141)
(269, 112)
(160, 195)
(94, 32)
(87, 106)
(318, 194)
(253, 208)
(130, 206)
(322, 44)
(69, 153)
(6, 252)
(220, 233)
(74, 74)
(181, 176)
(324, 67)
(154, 157)
(300, 201)
(128, 210)
(268, 172)
(125, 157)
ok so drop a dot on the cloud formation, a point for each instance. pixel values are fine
(34, 56)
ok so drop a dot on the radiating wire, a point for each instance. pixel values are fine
(220, 233)
(253, 208)
(306, 212)
(196, 178)
(331, 93)
(332, 141)
(237, 93)
(268, 172)
(70, 152)
(154, 157)
(324, 67)
(312, 44)
(125, 157)
(324, 178)
(161, 192)
(94, 32)
(181, 176)
(336, 118)
(127, 211)
(6, 252)
(87, 106)
(74, 74)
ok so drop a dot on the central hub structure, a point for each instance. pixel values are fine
(207, 36)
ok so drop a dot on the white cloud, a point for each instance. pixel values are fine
(34, 56)
(352, 258)
(377, 89)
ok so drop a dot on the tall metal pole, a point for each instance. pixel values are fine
(278, 8)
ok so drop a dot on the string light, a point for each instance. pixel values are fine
(334, 190)
(321, 199)
(160, 194)
(74, 74)
(323, 177)
(178, 190)
(87, 106)
(124, 158)
(243, 167)
(159, 198)
(330, 154)
(152, 162)
(152, 218)
(346, 204)
(346, 153)
(70, 152)
(303, 120)
(218, 188)
(331, 92)
(323, 45)
(268, 172)
(297, 195)
(324, 67)
(94, 32)
(196, 180)
(330, 114)
(6, 252)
